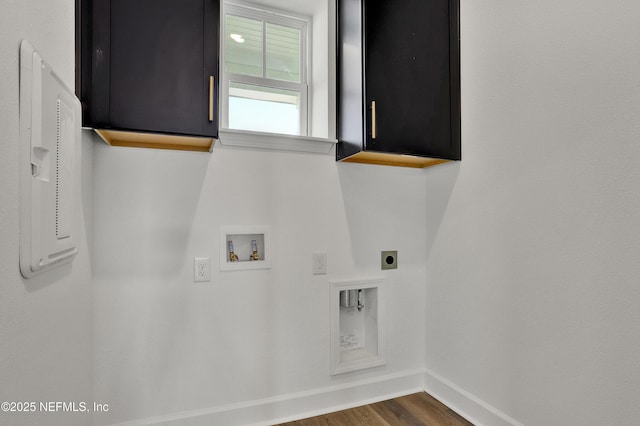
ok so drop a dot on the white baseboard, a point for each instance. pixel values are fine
(462, 402)
(296, 406)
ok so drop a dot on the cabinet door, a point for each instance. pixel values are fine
(162, 54)
(407, 67)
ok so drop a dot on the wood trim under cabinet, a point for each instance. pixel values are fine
(155, 140)
(384, 159)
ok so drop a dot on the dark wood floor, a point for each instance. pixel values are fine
(418, 409)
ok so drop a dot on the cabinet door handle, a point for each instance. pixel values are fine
(373, 119)
(211, 81)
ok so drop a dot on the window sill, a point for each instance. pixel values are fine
(260, 140)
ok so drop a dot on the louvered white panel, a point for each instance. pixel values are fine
(50, 117)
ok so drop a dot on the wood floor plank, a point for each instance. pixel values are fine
(419, 409)
(395, 414)
(365, 416)
(357, 416)
(431, 411)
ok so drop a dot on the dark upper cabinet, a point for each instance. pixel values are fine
(398, 81)
(148, 71)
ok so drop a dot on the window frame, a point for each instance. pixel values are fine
(270, 15)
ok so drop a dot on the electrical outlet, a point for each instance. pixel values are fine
(319, 261)
(202, 269)
(389, 259)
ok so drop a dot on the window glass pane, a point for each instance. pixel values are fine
(264, 109)
(243, 46)
(283, 53)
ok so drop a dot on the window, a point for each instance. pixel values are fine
(265, 71)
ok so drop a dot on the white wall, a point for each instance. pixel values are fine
(165, 345)
(534, 239)
(45, 322)
(532, 244)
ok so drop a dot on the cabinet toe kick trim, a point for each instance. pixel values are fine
(400, 160)
(155, 140)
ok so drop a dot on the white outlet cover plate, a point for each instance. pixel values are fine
(319, 263)
(201, 269)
